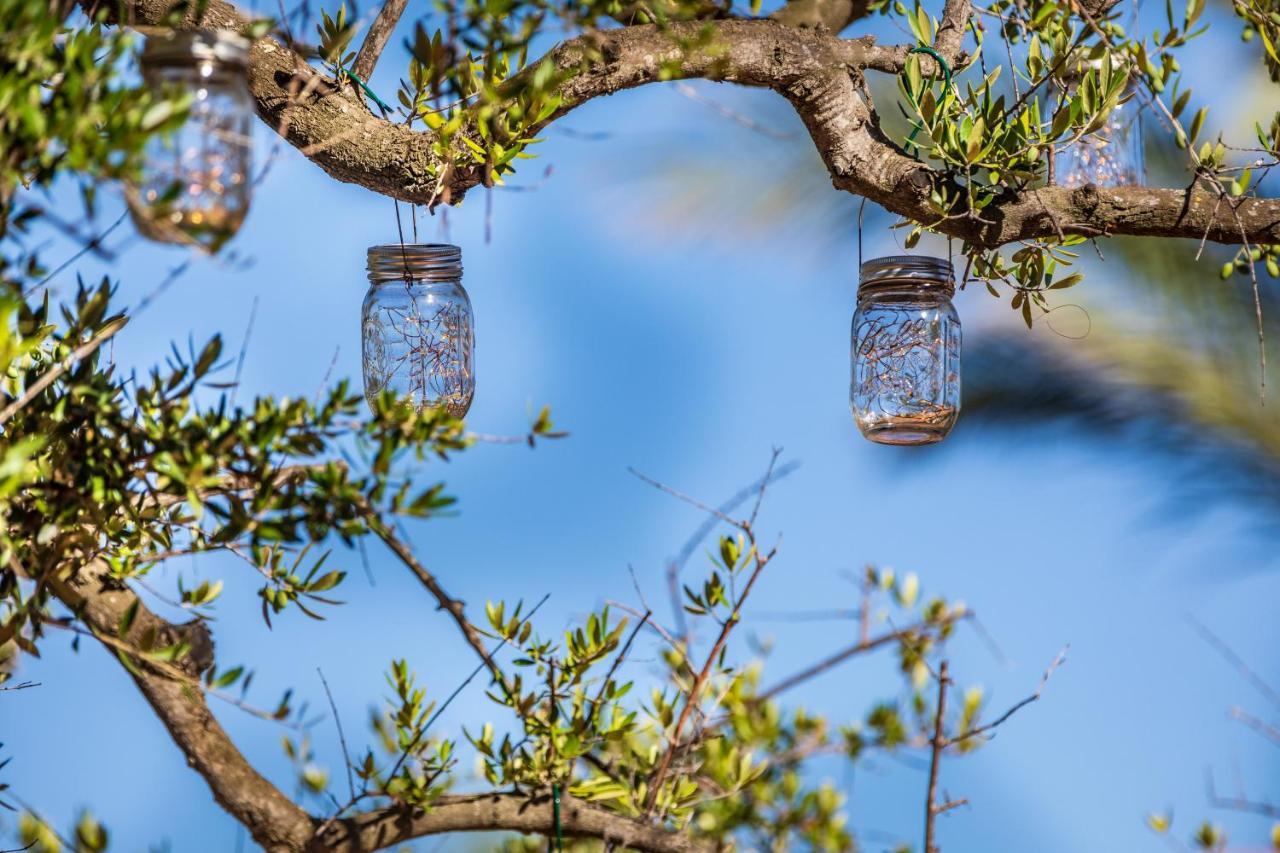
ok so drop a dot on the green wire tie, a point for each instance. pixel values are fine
(946, 79)
(382, 105)
(555, 817)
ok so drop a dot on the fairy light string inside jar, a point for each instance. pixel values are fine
(905, 359)
(418, 328)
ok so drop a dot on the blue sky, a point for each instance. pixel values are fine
(687, 351)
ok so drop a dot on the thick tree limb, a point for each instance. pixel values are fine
(510, 812)
(862, 160)
(833, 15)
(275, 821)
(817, 72)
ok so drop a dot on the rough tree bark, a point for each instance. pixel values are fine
(276, 823)
(795, 54)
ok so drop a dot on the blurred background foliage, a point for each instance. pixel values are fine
(1155, 349)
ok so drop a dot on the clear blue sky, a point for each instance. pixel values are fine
(688, 352)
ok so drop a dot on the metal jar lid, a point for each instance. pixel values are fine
(194, 47)
(914, 272)
(415, 262)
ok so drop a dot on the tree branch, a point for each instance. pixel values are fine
(511, 812)
(833, 15)
(950, 36)
(819, 74)
(937, 744)
(375, 40)
(275, 821)
(446, 602)
(865, 644)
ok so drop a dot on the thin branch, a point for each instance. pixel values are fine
(662, 487)
(1235, 660)
(863, 645)
(1239, 803)
(764, 485)
(244, 349)
(733, 115)
(377, 37)
(702, 532)
(937, 745)
(51, 375)
(446, 602)
(1260, 726)
(21, 685)
(342, 737)
(617, 661)
(93, 244)
(1017, 706)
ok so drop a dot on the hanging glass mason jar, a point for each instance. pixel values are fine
(418, 329)
(196, 184)
(905, 386)
(1112, 155)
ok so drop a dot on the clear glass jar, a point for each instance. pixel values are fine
(418, 331)
(196, 181)
(905, 386)
(1111, 156)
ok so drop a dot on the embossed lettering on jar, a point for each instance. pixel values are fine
(418, 332)
(905, 386)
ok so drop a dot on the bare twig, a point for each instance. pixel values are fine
(1260, 726)
(676, 564)
(662, 487)
(764, 485)
(617, 661)
(932, 810)
(1017, 706)
(342, 738)
(91, 245)
(1235, 660)
(446, 602)
(21, 685)
(850, 652)
(1238, 803)
(244, 349)
(733, 115)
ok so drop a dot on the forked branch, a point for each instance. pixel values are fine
(819, 73)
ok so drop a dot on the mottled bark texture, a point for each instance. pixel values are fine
(276, 823)
(795, 54)
(486, 812)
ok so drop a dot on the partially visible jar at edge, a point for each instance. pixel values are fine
(1112, 155)
(196, 183)
(905, 384)
(418, 331)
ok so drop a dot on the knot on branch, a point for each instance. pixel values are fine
(1086, 198)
